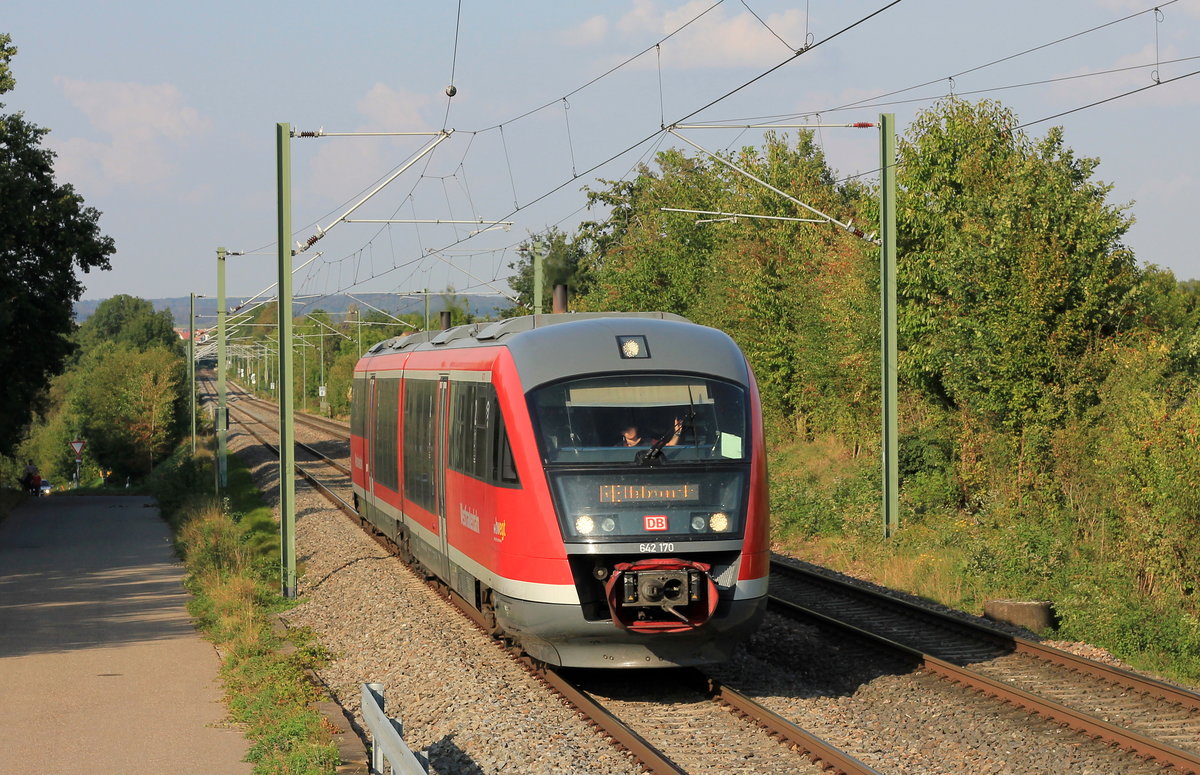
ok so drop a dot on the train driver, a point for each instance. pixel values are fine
(632, 437)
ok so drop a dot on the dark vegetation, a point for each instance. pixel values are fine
(46, 233)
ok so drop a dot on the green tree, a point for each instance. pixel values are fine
(46, 233)
(798, 297)
(131, 321)
(124, 404)
(1011, 268)
(563, 263)
(341, 376)
(644, 259)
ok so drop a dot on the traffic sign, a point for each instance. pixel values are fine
(77, 445)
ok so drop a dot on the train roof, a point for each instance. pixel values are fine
(550, 347)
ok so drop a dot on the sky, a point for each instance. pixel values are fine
(164, 115)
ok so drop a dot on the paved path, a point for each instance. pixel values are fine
(101, 670)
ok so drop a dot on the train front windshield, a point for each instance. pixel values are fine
(618, 470)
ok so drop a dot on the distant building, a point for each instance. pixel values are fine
(201, 334)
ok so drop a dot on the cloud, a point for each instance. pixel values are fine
(589, 33)
(141, 121)
(1180, 186)
(1139, 5)
(388, 110)
(716, 39)
(1180, 93)
(344, 166)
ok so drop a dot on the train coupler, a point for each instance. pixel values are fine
(661, 595)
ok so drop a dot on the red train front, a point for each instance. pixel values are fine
(598, 481)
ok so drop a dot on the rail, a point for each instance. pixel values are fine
(1085, 721)
(621, 735)
(388, 748)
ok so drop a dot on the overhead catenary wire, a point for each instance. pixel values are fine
(849, 227)
(451, 89)
(768, 27)
(1089, 105)
(1060, 114)
(320, 232)
(874, 100)
(438, 140)
(575, 172)
(518, 207)
(612, 69)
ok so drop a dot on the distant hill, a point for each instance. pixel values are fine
(206, 308)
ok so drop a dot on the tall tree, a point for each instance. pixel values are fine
(124, 405)
(563, 263)
(798, 297)
(46, 233)
(131, 321)
(1012, 264)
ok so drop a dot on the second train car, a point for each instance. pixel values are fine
(596, 482)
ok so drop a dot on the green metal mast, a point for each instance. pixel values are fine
(887, 284)
(192, 366)
(538, 277)
(287, 453)
(222, 412)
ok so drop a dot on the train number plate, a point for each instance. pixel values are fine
(656, 547)
(655, 521)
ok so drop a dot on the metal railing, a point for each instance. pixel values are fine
(387, 742)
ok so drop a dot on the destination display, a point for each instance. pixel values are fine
(642, 493)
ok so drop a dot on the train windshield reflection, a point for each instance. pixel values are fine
(605, 419)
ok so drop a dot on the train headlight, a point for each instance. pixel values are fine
(719, 522)
(608, 524)
(584, 525)
(698, 522)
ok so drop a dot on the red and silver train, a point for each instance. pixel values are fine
(597, 481)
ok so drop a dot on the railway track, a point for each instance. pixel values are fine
(703, 725)
(1152, 719)
(339, 429)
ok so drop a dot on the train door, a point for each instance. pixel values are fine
(440, 445)
(369, 444)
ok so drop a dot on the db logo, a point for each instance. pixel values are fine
(655, 522)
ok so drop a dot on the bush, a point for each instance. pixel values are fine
(1112, 614)
(822, 488)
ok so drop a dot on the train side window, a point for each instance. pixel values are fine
(384, 453)
(460, 403)
(419, 399)
(481, 414)
(468, 429)
(479, 445)
(507, 473)
(358, 407)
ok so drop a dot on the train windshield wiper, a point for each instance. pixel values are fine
(654, 455)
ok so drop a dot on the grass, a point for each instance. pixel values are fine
(931, 573)
(231, 551)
